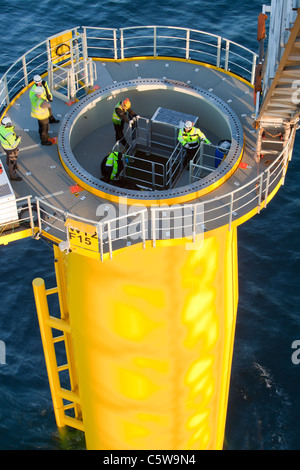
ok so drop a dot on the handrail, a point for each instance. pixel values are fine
(186, 220)
(239, 68)
(210, 213)
(10, 85)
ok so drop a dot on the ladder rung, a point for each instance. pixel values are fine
(59, 324)
(69, 406)
(74, 423)
(63, 367)
(68, 395)
(54, 290)
(57, 339)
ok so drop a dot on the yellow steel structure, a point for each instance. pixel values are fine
(48, 323)
(153, 332)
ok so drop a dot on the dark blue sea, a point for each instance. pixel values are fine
(264, 405)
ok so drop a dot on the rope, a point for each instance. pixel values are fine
(272, 135)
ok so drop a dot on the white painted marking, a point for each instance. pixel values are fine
(52, 195)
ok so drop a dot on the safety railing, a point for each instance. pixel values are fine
(145, 172)
(188, 44)
(20, 74)
(159, 223)
(69, 82)
(22, 216)
(174, 166)
(102, 42)
(109, 234)
(157, 175)
(135, 41)
(164, 222)
(74, 73)
(203, 162)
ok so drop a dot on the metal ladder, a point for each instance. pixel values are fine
(278, 110)
(63, 399)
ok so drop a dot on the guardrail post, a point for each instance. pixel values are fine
(25, 70)
(115, 45)
(230, 211)
(226, 55)
(6, 91)
(109, 240)
(285, 165)
(30, 214)
(100, 239)
(166, 172)
(260, 191)
(50, 66)
(219, 48)
(148, 136)
(154, 41)
(39, 214)
(122, 43)
(267, 186)
(153, 227)
(153, 174)
(84, 44)
(194, 209)
(187, 46)
(71, 80)
(253, 69)
(143, 230)
(191, 172)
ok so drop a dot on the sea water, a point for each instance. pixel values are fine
(264, 410)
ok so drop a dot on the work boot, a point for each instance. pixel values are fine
(46, 143)
(54, 121)
(16, 178)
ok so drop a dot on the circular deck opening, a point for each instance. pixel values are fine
(87, 136)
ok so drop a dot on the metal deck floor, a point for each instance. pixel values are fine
(41, 169)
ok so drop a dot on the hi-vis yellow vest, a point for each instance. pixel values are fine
(112, 160)
(191, 137)
(44, 95)
(115, 118)
(36, 110)
(8, 138)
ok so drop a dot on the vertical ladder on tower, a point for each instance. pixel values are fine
(66, 401)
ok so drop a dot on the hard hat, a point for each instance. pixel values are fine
(126, 103)
(39, 90)
(37, 79)
(188, 125)
(6, 121)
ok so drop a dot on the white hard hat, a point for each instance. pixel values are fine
(37, 79)
(6, 121)
(188, 125)
(39, 90)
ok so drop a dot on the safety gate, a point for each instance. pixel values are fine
(71, 72)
